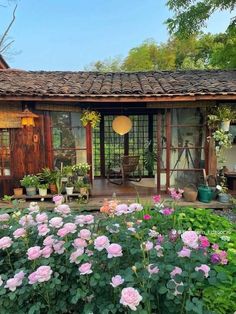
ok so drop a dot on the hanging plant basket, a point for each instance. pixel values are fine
(93, 117)
(225, 125)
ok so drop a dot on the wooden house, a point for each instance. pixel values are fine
(167, 109)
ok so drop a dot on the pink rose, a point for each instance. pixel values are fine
(4, 217)
(75, 255)
(58, 199)
(27, 220)
(176, 271)
(43, 229)
(34, 252)
(56, 222)
(88, 219)
(79, 243)
(63, 209)
(101, 243)
(147, 217)
(41, 218)
(70, 227)
(205, 268)
(47, 251)
(85, 234)
(62, 232)
(114, 250)
(148, 246)
(48, 240)
(156, 198)
(116, 281)
(122, 209)
(135, 207)
(185, 252)
(204, 242)
(166, 211)
(190, 238)
(159, 250)
(43, 273)
(130, 297)
(11, 284)
(32, 278)
(85, 269)
(152, 269)
(58, 247)
(5, 242)
(34, 207)
(20, 276)
(18, 233)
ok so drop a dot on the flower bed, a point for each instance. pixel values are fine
(136, 259)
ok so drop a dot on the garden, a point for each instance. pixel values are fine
(152, 257)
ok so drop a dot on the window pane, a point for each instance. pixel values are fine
(5, 166)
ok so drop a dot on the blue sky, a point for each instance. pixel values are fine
(70, 34)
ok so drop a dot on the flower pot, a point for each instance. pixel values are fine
(225, 125)
(31, 191)
(224, 198)
(83, 191)
(69, 190)
(18, 191)
(53, 188)
(190, 193)
(43, 192)
(205, 194)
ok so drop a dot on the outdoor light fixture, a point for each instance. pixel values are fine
(122, 125)
(27, 118)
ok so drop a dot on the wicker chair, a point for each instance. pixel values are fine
(125, 171)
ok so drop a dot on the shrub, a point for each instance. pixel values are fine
(132, 260)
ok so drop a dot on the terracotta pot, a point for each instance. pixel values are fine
(53, 188)
(190, 193)
(18, 191)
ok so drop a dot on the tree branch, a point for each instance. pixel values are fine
(8, 29)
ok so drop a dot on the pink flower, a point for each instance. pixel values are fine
(101, 242)
(58, 199)
(185, 252)
(160, 239)
(148, 245)
(152, 269)
(75, 255)
(85, 234)
(27, 220)
(176, 271)
(176, 194)
(79, 243)
(5, 242)
(204, 242)
(20, 276)
(34, 252)
(190, 238)
(159, 250)
(205, 268)
(47, 251)
(130, 297)
(166, 211)
(56, 222)
(32, 278)
(4, 217)
(116, 281)
(122, 209)
(135, 207)
(173, 235)
(41, 218)
(215, 246)
(88, 219)
(18, 233)
(63, 209)
(48, 240)
(12, 283)
(156, 198)
(62, 232)
(114, 250)
(43, 229)
(147, 217)
(58, 247)
(67, 228)
(34, 207)
(219, 257)
(79, 220)
(85, 269)
(43, 273)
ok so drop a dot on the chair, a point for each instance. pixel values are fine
(125, 171)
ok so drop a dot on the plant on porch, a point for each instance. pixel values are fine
(90, 116)
(142, 259)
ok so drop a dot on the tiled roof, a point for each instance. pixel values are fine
(139, 84)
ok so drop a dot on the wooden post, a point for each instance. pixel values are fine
(168, 148)
(159, 152)
(89, 150)
(48, 140)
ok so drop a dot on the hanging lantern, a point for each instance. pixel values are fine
(27, 118)
(122, 125)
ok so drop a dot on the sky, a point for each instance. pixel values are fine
(70, 34)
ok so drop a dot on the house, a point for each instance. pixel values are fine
(167, 109)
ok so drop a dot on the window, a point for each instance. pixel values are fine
(5, 160)
(69, 138)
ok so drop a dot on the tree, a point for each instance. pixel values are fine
(107, 65)
(191, 16)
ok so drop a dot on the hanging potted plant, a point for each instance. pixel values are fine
(30, 182)
(90, 116)
(225, 114)
(222, 140)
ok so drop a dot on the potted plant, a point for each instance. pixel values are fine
(149, 158)
(18, 191)
(43, 187)
(82, 187)
(222, 189)
(30, 182)
(69, 188)
(222, 140)
(90, 116)
(225, 115)
(49, 176)
(81, 169)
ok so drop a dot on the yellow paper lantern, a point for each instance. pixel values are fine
(27, 118)
(122, 125)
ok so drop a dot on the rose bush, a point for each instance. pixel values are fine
(133, 260)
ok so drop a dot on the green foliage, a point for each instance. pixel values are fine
(191, 16)
(30, 180)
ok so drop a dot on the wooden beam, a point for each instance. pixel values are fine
(48, 140)
(168, 148)
(159, 149)
(89, 150)
(121, 98)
